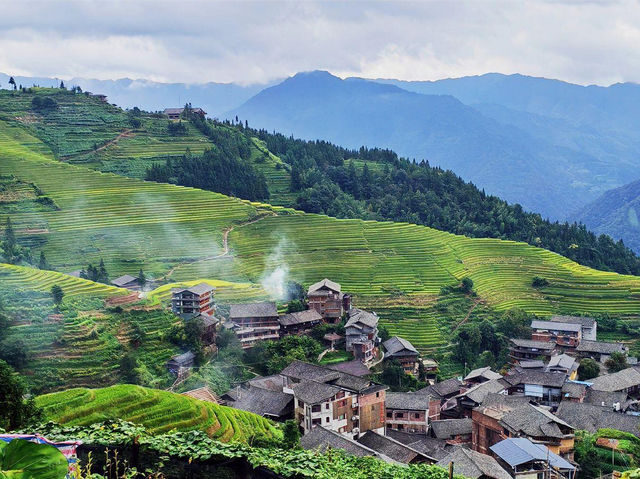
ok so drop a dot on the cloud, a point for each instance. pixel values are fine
(249, 42)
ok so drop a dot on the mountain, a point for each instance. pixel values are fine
(616, 213)
(487, 146)
(214, 98)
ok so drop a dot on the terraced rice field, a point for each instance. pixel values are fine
(177, 232)
(20, 277)
(159, 411)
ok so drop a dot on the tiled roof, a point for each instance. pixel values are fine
(354, 367)
(448, 428)
(263, 402)
(391, 448)
(600, 347)
(312, 392)
(585, 322)
(442, 389)
(122, 280)
(357, 316)
(533, 421)
(274, 382)
(624, 379)
(253, 310)
(541, 378)
(302, 371)
(325, 283)
(396, 345)
(531, 364)
(203, 394)
(184, 357)
(555, 326)
(412, 401)
(529, 343)
(430, 446)
(563, 361)
(609, 398)
(300, 317)
(474, 465)
(322, 439)
(591, 418)
(573, 390)
(480, 391)
(486, 373)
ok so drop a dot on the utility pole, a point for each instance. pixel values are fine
(451, 470)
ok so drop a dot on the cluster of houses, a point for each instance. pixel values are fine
(521, 424)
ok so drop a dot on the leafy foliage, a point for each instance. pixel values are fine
(588, 369)
(15, 411)
(21, 459)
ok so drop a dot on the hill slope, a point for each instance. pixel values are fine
(552, 179)
(397, 268)
(616, 213)
(159, 411)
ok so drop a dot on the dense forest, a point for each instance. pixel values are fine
(377, 184)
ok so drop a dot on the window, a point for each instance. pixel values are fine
(326, 420)
(389, 415)
(326, 406)
(316, 408)
(400, 415)
(377, 394)
(416, 415)
(342, 417)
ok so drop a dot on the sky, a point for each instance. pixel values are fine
(585, 42)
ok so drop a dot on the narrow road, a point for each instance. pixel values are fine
(476, 303)
(125, 133)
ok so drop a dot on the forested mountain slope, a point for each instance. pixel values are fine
(617, 213)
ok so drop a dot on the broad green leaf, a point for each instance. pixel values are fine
(22, 459)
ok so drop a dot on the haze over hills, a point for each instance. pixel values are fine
(616, 213)
(214, 98)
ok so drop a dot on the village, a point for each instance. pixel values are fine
(489, 425)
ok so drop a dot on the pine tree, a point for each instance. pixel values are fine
(142, 279)
(9, 243)
(101, 275)
(42, 264)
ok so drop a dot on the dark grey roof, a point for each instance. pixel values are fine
(359, 316)
(412, 401)
(531, 364)
(391, 448)
(530, 343)
(473, 465)
(430, 446)
(556, 326)
(519, 450)
(396, 344)
(624, 379)
(198, 289)
(312, 392)
(486, 373)
(533, 421)
(573, 390)
(584, 321)
(609, 398)
(322, 439)
(300, 317)
(274, 382)
(562, 361)
(354, 368)
(541, 378)
(442, 389)
(448, 428)
(304, 371)
(184, 357)
(600, 347)
(263, 402)
(325, 283)
(125, 279)
(501, 402)
(480, 391)
(266, 309)
(591, 418)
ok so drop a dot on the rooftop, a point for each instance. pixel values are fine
(591, 418)
(478, 393)
(184, 357)
(313, 392)
(263, 402)
(627, 378)
(300, 370)
(442, 389)
(562, 361)
(412, 401)
(430, 446)
(541, 378)
(448, 428)
(122, 280)
(396, 344)
(266, 309)
(530, 343)
(533, 421)
(198, 289)
(474, 465)
(556, 326)
(584, 321)
(300, 317)
(359, 316)
(600, 347)
(354, 368)
(519, 450)
(485, 373)
(322, 439)
(391, 448)
(326, 284)
(531, 364)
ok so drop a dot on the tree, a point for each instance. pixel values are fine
(12, 82)
(291, 434)
(15, 412)
(5, 322)
(466, 285)
(57, 294)
(128, 369)
(588, 369)
(539, 282)
(103, 276)
(142, 279)
(295, 305)
(14, 352)
(61, 85)
(422, 372)
(616, 362)
(383, 333)
(9, 243)
(42, 263)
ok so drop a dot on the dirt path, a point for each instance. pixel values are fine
(124, 134)
(476, 303)
(225, 245)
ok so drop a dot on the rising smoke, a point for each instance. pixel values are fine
(276, 275)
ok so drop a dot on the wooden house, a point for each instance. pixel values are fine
(401, 350)
(327, 299)
(361, 333)
(181, 362)
(299, 322)
(255, 322)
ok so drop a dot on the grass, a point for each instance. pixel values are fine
(333, 357)
(159, 411)
(176, 233)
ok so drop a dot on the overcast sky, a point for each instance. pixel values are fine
(248, 42)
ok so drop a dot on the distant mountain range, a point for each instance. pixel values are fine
(214, 98)
(616, 213)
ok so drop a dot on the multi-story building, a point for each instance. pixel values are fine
(524, 459)
(589, 325)
(527, 349)
(299, 322)
(362, 335)
(327, 299)
(335, 400)
(409, 412)
(599, 350)
(545, 387)
(401, 350)
(565, 335)
(254, 322)
(193, 301)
